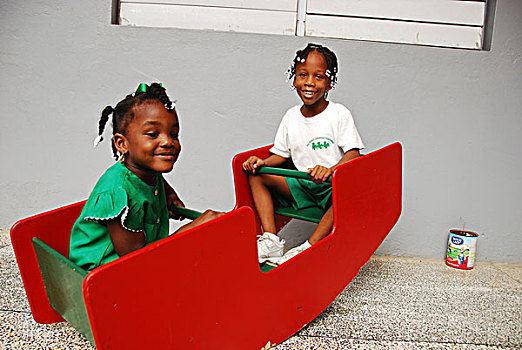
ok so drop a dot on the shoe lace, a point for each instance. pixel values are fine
(266, 240)
(293, 252)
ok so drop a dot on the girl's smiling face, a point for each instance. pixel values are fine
(150, 144)
(311, 84)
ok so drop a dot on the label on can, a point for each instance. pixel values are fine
(462, 246)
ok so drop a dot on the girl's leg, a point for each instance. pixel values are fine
(261, 187)
(323, 229)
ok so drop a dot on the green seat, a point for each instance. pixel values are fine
(63, 282)
(312, 214)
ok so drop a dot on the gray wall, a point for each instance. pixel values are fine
(456, 112)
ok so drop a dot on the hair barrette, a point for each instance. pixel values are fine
(143, 87)
(97, 140)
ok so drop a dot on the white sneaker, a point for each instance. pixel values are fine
(290, 254)
(269, 246)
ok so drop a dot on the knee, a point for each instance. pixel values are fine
(253, 179)
(256, 180)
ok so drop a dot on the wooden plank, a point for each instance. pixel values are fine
(63, 284)
(210, 18)
(274, 5)
(394, 31)
(438, 11)
(312, 214)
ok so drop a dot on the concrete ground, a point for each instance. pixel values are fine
(394, 303)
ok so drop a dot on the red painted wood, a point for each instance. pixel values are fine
(202, 289)
(242, 188)
(53, 228)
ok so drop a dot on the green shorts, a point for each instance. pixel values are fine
(307, 194)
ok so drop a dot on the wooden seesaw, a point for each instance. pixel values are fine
(203, 288)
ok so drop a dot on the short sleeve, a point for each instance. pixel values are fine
(349, 137)
(281, 146)
(112, 204)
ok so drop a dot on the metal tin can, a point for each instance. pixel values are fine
(462, 246)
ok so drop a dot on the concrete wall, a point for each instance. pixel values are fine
(456, 112)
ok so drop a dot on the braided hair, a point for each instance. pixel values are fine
(329, 57)
(123, 113)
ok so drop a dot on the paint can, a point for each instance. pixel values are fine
(462, 246)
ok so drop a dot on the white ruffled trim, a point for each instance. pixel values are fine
(93, 218)
(125, 212)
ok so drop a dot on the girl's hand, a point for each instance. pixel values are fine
(207, 215)
(177, 202)
(319, 173)
(252, 163)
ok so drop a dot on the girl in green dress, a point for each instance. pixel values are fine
(128, 207)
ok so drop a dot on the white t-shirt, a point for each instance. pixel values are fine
(319, 140)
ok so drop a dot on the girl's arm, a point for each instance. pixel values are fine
(255, 162)
(172, 199)
(320, 173)
(123, 240)
(206, 216)
(351, 154)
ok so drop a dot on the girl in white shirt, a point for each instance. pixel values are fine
(317, 136)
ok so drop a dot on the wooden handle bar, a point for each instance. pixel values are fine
(287, 172)
(185, 212)
(194, 214)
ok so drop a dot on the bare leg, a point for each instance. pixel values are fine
(261, 185)
(323, 229)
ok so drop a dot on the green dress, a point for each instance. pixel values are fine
(118, 193)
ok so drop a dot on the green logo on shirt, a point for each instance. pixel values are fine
(320, 143)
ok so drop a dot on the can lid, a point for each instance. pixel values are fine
(464, 233)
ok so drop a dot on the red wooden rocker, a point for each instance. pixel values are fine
(189, 291)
